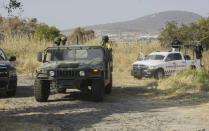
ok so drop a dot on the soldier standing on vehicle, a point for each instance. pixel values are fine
(175, 44)
(57, 41)
(105, 42)
(63, 40)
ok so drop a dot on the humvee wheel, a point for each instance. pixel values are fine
(159, 74)
(61, 90)
(108, 88)
(12, 86)
(97, 90)
(41, 90)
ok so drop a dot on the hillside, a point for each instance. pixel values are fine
(147, 24)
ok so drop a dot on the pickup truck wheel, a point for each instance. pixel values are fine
(61, 90)
(97, 90)
(159, 74)
(41, 90)
(108, 88)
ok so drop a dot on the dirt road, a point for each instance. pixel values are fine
(128, 108)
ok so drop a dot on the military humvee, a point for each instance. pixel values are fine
(8, 75)
(87, 68)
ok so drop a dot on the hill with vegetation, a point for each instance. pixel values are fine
(147, 24)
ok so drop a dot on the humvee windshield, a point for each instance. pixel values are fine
(91, 54)
(154, 57)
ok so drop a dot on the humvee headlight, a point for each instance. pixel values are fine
(38, 70)
(51, 73)
(82, 73)
(95, 70)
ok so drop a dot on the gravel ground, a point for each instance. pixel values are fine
(126, 109)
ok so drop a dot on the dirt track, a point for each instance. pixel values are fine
(128, 108)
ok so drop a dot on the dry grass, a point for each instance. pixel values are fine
(25, 49)
(124, 55)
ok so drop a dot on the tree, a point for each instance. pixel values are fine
(81, 35)
(203, 25)
(169, 32)
(12, 5)
(43, 31)
(190, 33)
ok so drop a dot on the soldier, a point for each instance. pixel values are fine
(63, 40)
(57, 41)
(175, 44)
(198, 51)
(105, 42)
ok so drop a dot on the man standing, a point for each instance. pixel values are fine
(175, 44)
(198, 51)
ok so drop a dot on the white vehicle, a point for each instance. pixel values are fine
(160, 64)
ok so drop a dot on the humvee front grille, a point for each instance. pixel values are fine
(3, 72)
(66, 74)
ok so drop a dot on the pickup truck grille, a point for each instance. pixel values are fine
(66, 74)
(3, 72)
(137, 67)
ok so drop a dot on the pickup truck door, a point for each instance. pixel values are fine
(180, 62)
(170, 64)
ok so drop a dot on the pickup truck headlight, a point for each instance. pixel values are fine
(12, 73)
(82, 73)
(38, 70)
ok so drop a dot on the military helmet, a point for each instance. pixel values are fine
(105, 39)
(57, 41)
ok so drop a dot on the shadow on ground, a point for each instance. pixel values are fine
(67, 115)
(22, 91)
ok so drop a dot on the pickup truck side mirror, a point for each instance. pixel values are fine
(12, 58)
(39, 57)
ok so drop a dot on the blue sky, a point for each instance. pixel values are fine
(66, 14)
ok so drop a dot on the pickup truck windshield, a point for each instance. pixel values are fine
(74, 54)
(2, 56)
(154, 57)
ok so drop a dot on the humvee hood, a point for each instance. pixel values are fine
(55, 65)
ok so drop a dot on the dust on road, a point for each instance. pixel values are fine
(128, 108)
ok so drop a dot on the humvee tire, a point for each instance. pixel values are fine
(97, 90)
(108, 88)
(41, 90)
(159, 74)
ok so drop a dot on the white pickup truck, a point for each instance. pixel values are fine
(160, 64)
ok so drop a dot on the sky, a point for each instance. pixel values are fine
(68, 14)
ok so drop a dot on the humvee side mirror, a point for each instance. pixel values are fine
(12, 58)
(39, 57)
